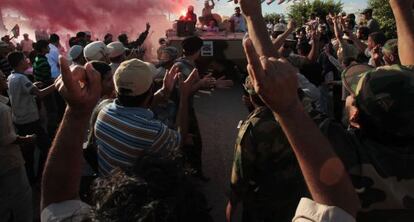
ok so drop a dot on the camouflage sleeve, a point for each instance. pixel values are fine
(243, 163)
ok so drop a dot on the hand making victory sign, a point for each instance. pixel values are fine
(79, 98)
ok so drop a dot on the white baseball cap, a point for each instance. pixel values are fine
(116, 49)
(95, 51)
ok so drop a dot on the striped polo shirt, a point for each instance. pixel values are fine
(124, 134)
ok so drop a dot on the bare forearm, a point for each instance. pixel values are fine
(314, 53)
(259, 35)
(323, 171)
(62, 174)
(46, 91)
(160, 96)
(405, 31)
(280, 40)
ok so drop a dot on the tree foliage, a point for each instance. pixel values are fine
(272, 17)
(301, 10)
(385, 17)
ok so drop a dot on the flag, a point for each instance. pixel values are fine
(16, 31)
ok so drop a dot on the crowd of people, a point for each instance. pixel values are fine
(107, 136)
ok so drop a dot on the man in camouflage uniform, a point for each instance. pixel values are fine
(265, 176)
(378, 149)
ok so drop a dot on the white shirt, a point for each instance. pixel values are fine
(53, 59)
(27, 45)
(10, 154)
(23, 103)
(239, 23)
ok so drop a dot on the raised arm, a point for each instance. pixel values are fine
(62, 174)
(324, 173)
(280, 40)
(256, 26)
(403, 12)
(314, 53)
(42, 92)
(186, 90)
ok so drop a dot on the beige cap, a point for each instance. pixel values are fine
(95, 51)
(134, 75)
(116, 49)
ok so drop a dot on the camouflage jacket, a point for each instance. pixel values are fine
(383, 176)
(265, 175)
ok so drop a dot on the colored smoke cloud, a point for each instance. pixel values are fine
(98, 16)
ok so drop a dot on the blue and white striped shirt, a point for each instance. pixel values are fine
(124, 134)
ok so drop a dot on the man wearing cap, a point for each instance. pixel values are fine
(96, 51)
(117, 54)
(76, 56)
(126, 128)
(372, 23)
(265, 176)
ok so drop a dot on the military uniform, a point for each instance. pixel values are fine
(265, 175)
(380, 160)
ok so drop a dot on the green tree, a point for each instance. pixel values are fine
(301, 10)
(274, 17)
(385, 17)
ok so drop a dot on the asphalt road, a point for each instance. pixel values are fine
(218, 115)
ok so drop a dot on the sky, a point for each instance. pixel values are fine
(225, 8)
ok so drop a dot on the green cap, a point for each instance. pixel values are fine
(386, 96)
(391, 46)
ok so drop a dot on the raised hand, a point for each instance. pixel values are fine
(250, 7)
(291, 25)
(148, 26)
(207, 81)
(78, 98)
(274, 80)
(186, 87)
(222, 83)
(170, 78)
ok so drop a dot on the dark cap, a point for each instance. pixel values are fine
(192, 44)
(367, 11)
(386, 96)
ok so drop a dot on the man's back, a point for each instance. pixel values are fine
(24, 106)
(382, 175)
(125, 133)
(53, 59)
(266, 175)
(27, 45)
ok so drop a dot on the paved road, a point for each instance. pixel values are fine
(218, 115)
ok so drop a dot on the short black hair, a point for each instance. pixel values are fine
(41, 44)
(101, 67)
(123, 38)
(378, 38)
(14, 59)
(73, 41)
(132, 101)
(191, 45)
(54, 38)
(81, 35)
(364, 32)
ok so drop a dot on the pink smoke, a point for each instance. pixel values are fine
(98, 16)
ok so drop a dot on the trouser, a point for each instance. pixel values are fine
(15, 196)
(42, 143)
(193, 152)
